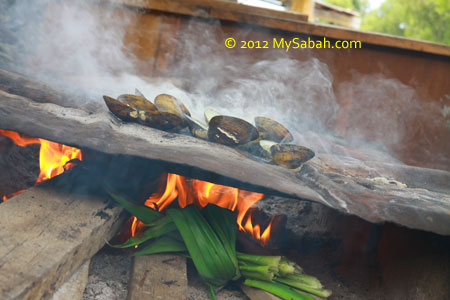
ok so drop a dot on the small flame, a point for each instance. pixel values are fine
(255, 231)
(53, 157)
(201, 193)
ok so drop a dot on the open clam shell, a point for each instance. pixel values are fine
(272, 130)
(137, 102)
(138, 93)
(290, 156)
(121, 110)
(210, 113)
(197, 129)
(160, 120)
(171, 105)
(231, 131)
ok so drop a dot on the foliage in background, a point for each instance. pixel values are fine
(420, 19)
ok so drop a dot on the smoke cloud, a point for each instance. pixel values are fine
(73, 42)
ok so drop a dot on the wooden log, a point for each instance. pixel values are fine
(159, 276)
(49, 231)
(330, 182)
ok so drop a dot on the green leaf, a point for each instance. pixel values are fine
(223, 222)
(258, 275)
(162, 245)
(161, 227)
(278, 289)
(210, 258)
(260, 260)
(315, 290)
(142, 213)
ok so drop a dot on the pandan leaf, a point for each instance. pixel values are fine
(162, 245)
(161, 227)
(142, 213)
(210, 258)
(223, 222)
(278, 289)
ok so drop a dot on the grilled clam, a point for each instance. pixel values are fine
(290, 156)
(254, 147)
(121, 110)
(210, 113)
(137, 102)
(231, 131)
(197, 129)
(272, 130)
(171, 105)
(138, 93)
(160, 120)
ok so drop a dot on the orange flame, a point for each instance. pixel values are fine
(201, 193)
(53, 157)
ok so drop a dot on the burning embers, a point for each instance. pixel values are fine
(201, 193)
(54, 158)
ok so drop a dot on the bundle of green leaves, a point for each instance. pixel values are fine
(208, 237)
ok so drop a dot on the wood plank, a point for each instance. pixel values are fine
(223, 10)
(48, 232)
(337, 18)
(73, 288)
(345, 185)
(282, 20)
(158, 276)
(257, 294)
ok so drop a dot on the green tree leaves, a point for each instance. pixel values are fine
(420, 19)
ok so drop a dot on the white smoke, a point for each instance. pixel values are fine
(82, 43)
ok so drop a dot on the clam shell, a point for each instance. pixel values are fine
(210, 113)
(197, 129)
(137, 102)
(254, 147)
(138, 93)
(120, 110)
(266, 145)
(171, 105)
(160, 120)
(290, 156)
(272, 130)
(199, 133)
(231, 131)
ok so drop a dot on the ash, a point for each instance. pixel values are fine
(109, 273)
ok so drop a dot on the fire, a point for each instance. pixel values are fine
(53, 157)
(201, 193)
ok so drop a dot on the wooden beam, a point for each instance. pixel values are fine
(288, 21)
(223, 10)
(48, 232)
(337, 18)
(158, 276)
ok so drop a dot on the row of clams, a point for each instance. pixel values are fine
(267, 139)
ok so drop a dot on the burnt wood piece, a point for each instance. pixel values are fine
(158, 276)
(48, 232)
(327, 181)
